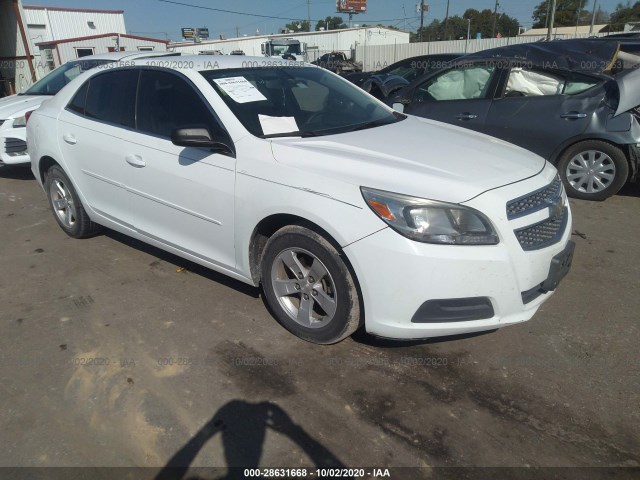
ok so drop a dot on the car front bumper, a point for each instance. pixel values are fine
(408, 286)
(13, 145)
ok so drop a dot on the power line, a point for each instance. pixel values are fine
(256, 14)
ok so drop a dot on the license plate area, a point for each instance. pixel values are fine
(560, 266)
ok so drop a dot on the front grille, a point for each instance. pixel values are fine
(535, 201)
(543, 234)
(15, 147)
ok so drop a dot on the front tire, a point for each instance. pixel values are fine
(66, 205)
(309, 287)
(593, 170)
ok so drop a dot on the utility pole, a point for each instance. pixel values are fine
(495, 19)
(309, 13)
(593, 17)
(421, 19)
(551, 19)
(446, 21)
(466, 44)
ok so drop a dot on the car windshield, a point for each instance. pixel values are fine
(56, 80)
(297, 101)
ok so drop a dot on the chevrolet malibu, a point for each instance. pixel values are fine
(286, 176)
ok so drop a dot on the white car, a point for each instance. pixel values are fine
(285, 175)
(13, 109)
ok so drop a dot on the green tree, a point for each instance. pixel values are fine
(482, 22)
(568, 12)
(624, 13)
(456, 26)
(301, 26)
(331, 23)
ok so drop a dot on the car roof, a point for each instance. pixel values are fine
(119, 56)
(578, 55)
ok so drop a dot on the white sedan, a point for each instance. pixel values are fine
(15, 108)
(284, 175)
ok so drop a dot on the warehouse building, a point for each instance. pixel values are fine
(55, 53)
(35, 39)
(318, 43)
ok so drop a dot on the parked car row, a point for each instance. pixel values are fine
(573, 102)
(347, 213)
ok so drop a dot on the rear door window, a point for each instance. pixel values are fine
(112, 98)
(525, 82)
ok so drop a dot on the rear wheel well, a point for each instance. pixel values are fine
(45, 164)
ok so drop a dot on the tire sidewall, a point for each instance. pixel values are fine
(615, 153)
(56, 173)
(347, 311)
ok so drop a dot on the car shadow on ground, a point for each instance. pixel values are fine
(17, 172)
(183, 263)
(630, 190)
(365, 338)
(243, 427)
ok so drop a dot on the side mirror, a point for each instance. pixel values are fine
(398, 107)
(198, 137)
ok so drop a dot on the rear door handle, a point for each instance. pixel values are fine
(573, 115)
(135, 161)
(69, 138)
(466, 116)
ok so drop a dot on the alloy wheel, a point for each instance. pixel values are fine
(62, 202)
(304, 287)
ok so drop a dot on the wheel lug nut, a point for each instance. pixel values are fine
(297, 286)
(311, 280)
(306, 297)
(314, 293)
(300, 276)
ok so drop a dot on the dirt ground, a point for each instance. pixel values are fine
(114, 353)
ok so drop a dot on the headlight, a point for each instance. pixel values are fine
(430, 221)
(20, 122)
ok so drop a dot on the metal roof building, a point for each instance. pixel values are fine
(55, 23)
(318, 43)
(58, 52)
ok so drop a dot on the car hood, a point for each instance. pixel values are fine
(18, 105)
(416, 157)
(629, 87)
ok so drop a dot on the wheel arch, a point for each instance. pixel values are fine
(274, 222)
(45, 163)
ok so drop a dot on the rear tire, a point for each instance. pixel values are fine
(593, 170)
(66, 205)
(309, 287)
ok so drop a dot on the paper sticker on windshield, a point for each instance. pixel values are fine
(273, 125)
(240, 89)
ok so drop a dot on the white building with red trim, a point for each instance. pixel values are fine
(36, 39)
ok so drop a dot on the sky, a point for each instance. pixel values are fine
(156, 18)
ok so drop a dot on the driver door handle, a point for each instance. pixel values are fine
(573, 115)
(466, 116)
(69, 138)
(135, 161)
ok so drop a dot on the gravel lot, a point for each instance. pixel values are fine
(113, 353)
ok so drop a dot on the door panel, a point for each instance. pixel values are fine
(460, 96)
(183, 197)
(469, 114)
(92, 133)
(541, 110)
(540, 124)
